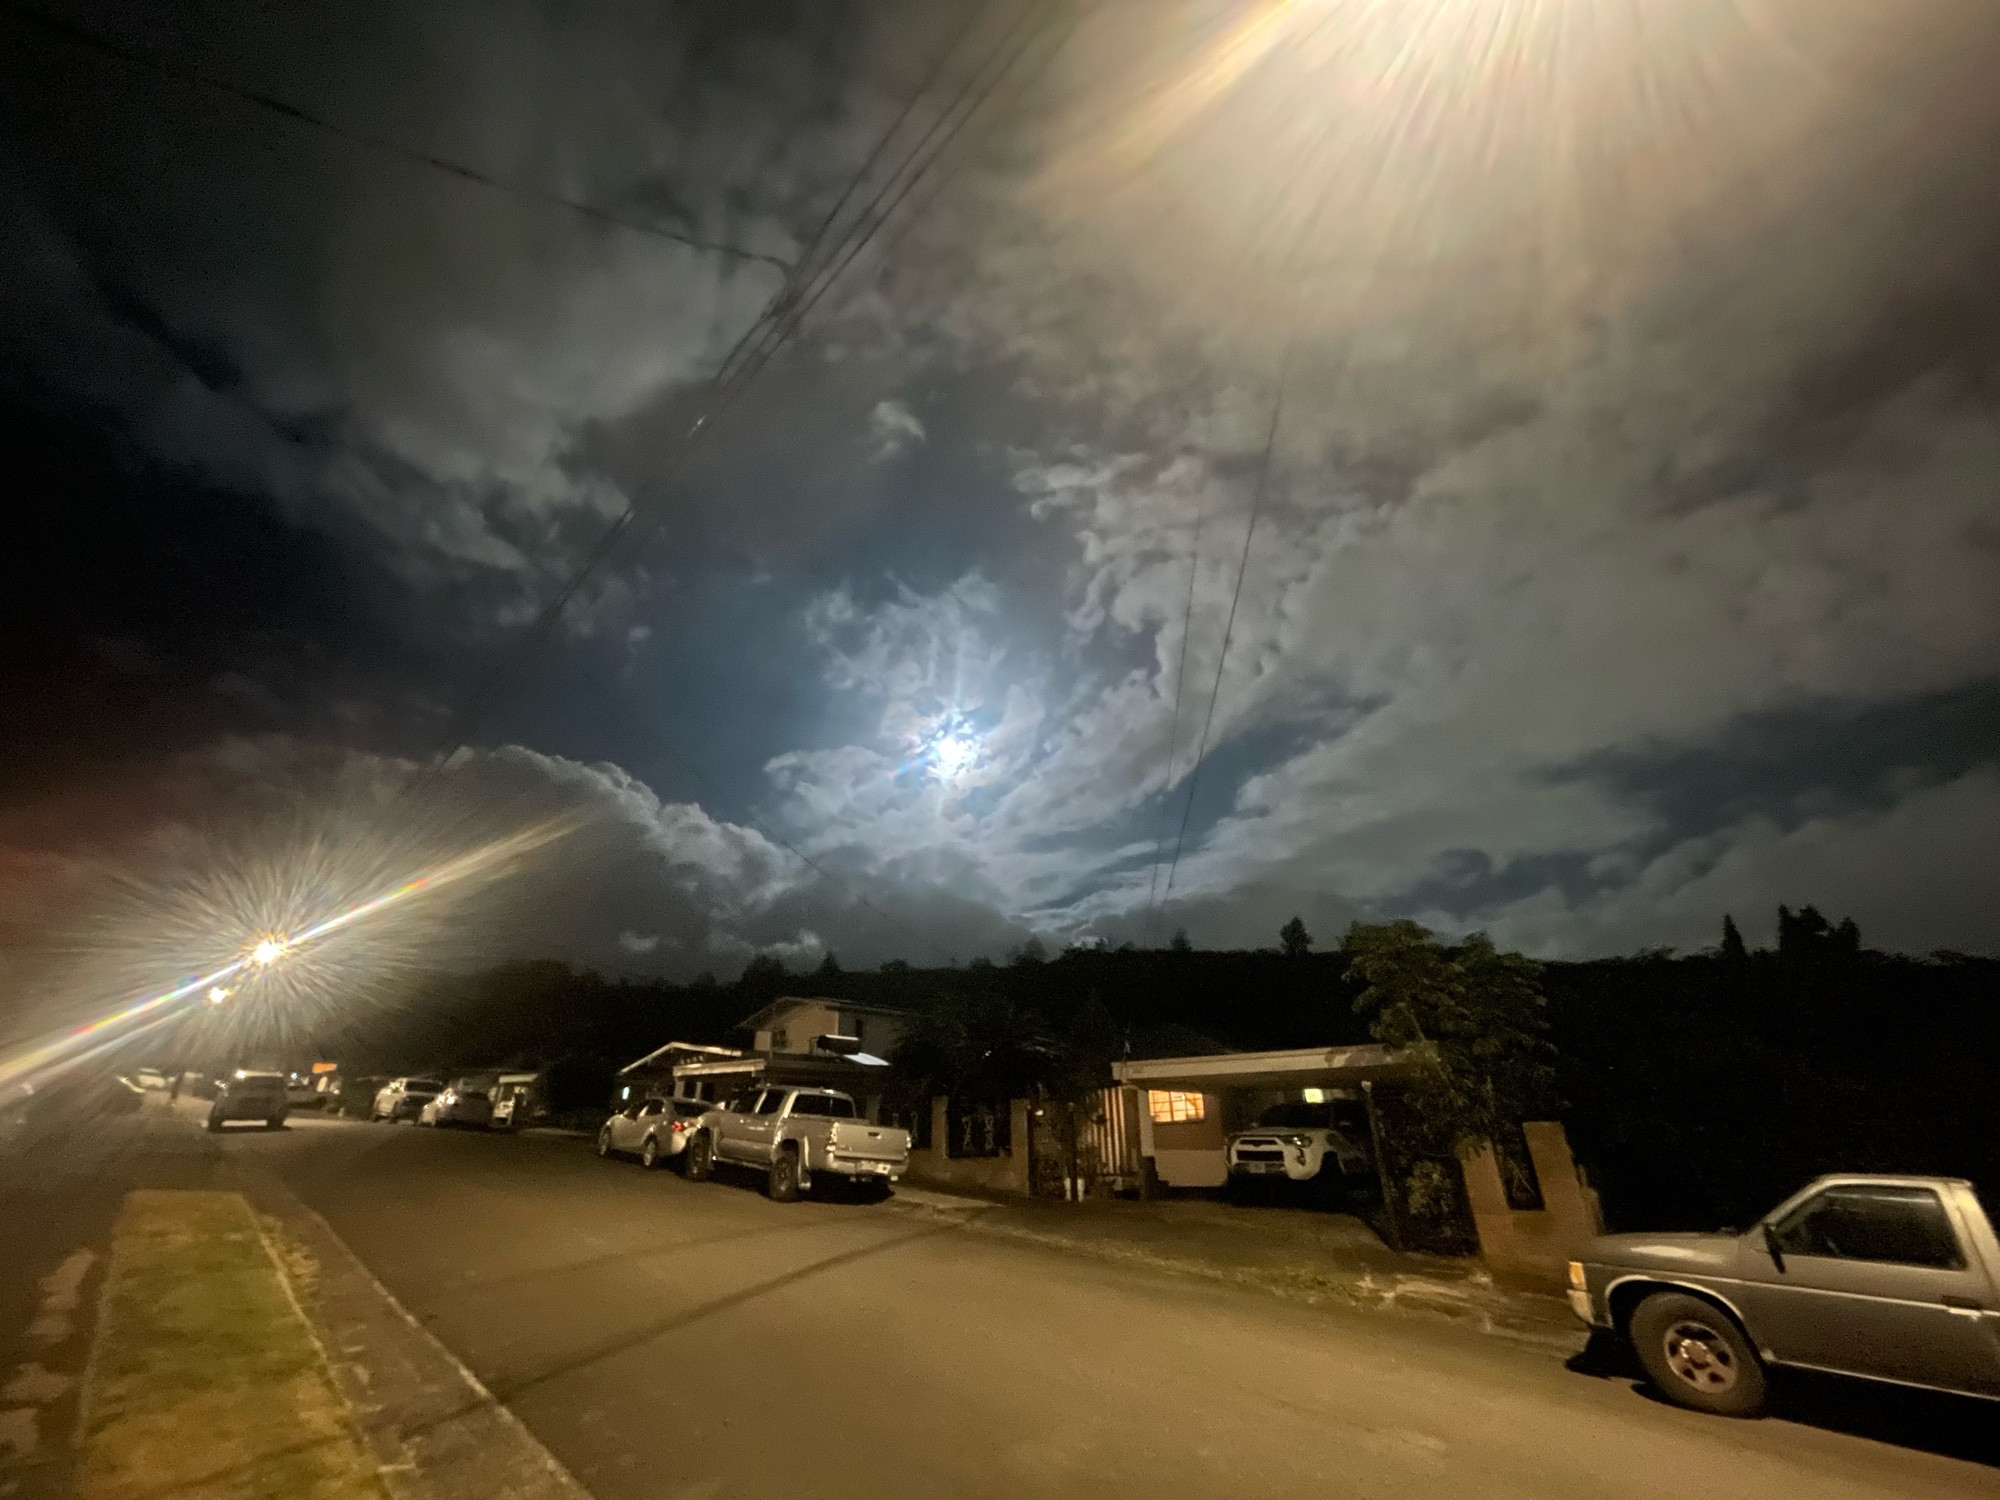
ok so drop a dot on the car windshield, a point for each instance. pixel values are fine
(423, 1086)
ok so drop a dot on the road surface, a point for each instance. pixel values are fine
(666, 1338)
(669, 1339)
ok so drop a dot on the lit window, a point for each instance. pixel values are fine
(1172, 1106)
(1315, 1096)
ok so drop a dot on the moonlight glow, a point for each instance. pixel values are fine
(952, 755)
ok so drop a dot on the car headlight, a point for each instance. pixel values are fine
(1296, 1140)
(1576, 1277)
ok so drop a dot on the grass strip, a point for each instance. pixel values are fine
(205, 1381)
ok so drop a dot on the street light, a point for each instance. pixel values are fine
(217, 994)
(267, 951)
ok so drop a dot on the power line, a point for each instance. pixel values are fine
(870, 221)
(775, 326)
(153, 62)
(1174, 723)
(1236, 597)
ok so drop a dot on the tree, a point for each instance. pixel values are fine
(1732, 940)
(1294, 939)
(1472, 1021)
(1808, 935)
(1030, 953)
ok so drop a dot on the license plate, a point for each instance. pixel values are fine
(1263, 1166)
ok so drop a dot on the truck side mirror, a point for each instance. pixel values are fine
(1772, 1248)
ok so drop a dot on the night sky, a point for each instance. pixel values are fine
(1626, 545)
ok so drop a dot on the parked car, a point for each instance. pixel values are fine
(354, 1097)
(249, 1096)
(302, 1092)
(515, 1100)
(465, 1102)
(1888, 1278)
(1319, 1143)
(654, 1130)
(404, 1098)
(791, 1134)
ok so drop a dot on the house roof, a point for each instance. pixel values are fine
(771, 1011)
(1338, 1067)
(691, 1049)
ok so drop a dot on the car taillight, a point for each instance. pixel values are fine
(678, 1126)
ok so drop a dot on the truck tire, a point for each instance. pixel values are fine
(783, 1183)
(700, 1158)
(649, 1154)
(1697, 1356)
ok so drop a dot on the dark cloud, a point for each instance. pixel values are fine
(1627, 549)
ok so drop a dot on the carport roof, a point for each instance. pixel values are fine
(1301, 1067)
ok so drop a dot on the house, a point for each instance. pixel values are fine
(802, 1024)
(654, 1073)
(1191, 1105)
(808, 1041)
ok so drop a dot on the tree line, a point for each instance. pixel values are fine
(1697, 1089)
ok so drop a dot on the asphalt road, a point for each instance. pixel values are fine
(664, 1338)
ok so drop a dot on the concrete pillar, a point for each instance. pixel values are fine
(1572, 1207)
(941, 1128)
(1487, 1196)
(1020, 1146)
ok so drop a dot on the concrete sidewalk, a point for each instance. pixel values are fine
(1300, 1254)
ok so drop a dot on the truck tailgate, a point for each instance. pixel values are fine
(857, 1140)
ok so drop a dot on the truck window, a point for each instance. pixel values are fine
(1899, 1225)
(809, 1104)
(772, 1102)
(839, 1108)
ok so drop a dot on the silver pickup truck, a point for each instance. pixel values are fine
(791, 1134)
(1890, 1278)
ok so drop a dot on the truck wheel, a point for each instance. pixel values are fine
(699, 1158)
(1697, 1356)
(783, 1185)
(649, 1154)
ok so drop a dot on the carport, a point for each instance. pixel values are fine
(1189, 1106)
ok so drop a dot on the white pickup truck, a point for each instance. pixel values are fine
(791, 1134)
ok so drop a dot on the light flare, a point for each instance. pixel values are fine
(260, 956)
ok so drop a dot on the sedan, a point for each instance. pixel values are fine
(404, 1098)
(652, 1130)
(461, 1104)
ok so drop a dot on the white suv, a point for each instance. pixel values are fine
(1320, 1143)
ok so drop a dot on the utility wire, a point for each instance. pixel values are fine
(1236, 597)
(1174, 723)
(758, 345)
(952, 122)
(153, 62)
